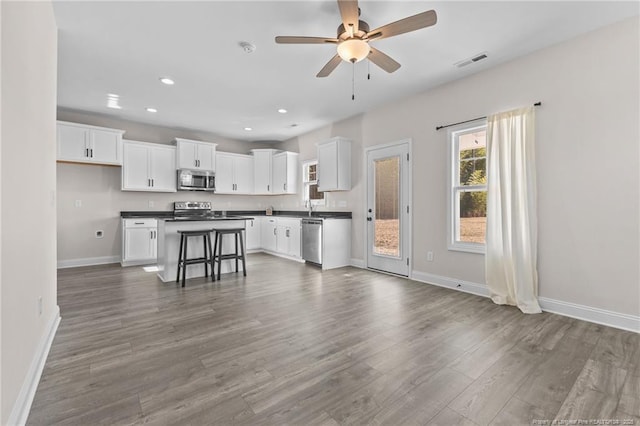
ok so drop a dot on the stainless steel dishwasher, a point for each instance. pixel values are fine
(312, 240)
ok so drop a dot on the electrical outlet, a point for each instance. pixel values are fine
(430, 256)
(78, 203)
(151, 204)
(99, 234)
(40, 305)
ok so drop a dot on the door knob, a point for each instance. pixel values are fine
(370, 211)
(369, 219)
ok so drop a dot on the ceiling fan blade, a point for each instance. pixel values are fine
(304, 40)
(383, 61)
(349, 13)
(412, 23)
(330, 66)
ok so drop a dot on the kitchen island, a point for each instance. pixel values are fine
(169, 244)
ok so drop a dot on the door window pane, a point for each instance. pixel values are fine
(387, 207)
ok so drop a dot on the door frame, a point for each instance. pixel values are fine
(365, 172)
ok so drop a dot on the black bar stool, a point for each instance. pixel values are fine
(217, 247)
(184, 261)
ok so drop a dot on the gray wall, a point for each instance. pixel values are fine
(587, 164)
(28, 210)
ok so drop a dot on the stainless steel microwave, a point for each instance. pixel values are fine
(196, 180)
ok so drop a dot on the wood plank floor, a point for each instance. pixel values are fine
(290, 344)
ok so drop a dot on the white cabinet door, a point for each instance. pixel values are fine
(243, 173)
(285, 173)
(148, 167)
(135, 168)
(138, 244)
(288, 241)
(269, 234)
(196, 155)
(334, 165)
(163, 168)
(73, 143)
(187, 154)
(206, 156)
(279, 173)
(294, 238)
(282, 237)
(253, 234)
(89, 144)
(262, 180)
(106, 147)
(224, 175)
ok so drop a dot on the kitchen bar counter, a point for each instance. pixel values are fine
(169, 244)
(232, 214)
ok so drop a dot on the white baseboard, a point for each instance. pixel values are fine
(567, 309)
(22, 406)
(88, 261)
(453, 283)
(358, 263)
(587, 313)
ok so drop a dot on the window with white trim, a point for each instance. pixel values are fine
(468, 187)
(310, 182)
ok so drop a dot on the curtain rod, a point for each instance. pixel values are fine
(473, 119)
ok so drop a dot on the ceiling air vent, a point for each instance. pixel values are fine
(475, 58)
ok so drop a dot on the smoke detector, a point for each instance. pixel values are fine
(247, 47)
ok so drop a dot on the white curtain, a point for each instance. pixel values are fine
(511, 239)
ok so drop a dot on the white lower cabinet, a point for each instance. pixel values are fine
(253, 234)
(288, 236)
(139, 241)
(268, 233)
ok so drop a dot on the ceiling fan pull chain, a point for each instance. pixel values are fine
(353, 81)
(368, 70)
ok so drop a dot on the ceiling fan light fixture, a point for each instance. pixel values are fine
(353, 50)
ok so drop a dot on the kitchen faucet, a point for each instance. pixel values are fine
(309, 206)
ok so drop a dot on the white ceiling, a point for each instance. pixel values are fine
(125, 47)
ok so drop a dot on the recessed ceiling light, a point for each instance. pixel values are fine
(152, 110)
(248, 129)
(167, 81)
(282, 111)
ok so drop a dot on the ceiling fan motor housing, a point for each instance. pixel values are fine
(343, 34)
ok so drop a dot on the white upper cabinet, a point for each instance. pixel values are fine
(234, 173)
(262, 171)
(148, 167)
(334, 165)
(284, 168)
(196, 155)
(89, 144)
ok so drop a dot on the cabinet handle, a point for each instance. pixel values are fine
(287, 233)
(268, 186)
(91, 152)
(138, 223)
(86, 152)
(284, 186)
(274, 231)
(153, 183)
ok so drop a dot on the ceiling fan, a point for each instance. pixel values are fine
(354, 36)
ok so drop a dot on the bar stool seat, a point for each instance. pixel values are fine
(184, 261)
(218, 256)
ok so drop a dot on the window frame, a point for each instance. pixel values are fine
(307, 183)
(454, 188)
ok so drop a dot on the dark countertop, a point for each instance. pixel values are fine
(205, 218)
(235, 215)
